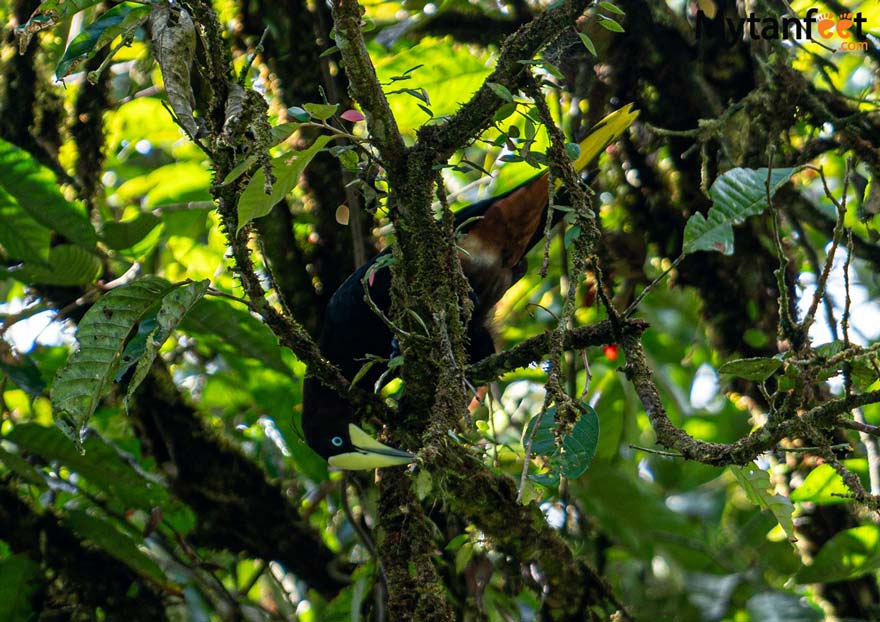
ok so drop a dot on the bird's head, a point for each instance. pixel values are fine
(352, 449)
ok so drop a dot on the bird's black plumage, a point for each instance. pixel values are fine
(496, 234)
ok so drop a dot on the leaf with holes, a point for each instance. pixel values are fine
(579, 446)
(101, 337)
(175, 305)
(756, 484)
(736, 195)
(122, 20)
(254, 201)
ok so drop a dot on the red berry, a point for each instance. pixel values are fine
(610, 352)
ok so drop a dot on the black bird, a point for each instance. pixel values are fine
(496, 235)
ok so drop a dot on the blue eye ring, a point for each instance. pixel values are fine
(336, 441)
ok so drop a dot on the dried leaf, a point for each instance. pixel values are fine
(174, 45)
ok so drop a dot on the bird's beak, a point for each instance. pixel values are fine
(369, 453)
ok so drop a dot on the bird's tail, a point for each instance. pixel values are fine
(511, 224)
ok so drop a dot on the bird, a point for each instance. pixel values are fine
(495, 234)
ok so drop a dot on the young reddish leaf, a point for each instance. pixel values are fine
(352, 115)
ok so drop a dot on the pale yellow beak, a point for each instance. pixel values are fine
(369, 453)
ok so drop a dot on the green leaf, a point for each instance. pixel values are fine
(321, 112)
(543, 442)
(236, 330)
(609, 24)
(101, 336)
(756, 484)
(25, 374)
(175, 306)
(504, 111)
(117, 544)
(781, 607)
(757, 369)
(588, 43)
(68, 265)
(101, 465)
(736, 195)
(35, 188)
(278, 135)
(610, 7)
(47, 15)
(254, 201)
(19, 582)
(121, 20)
(823, 485)
(848, 555)
(571, 235)
(22, 236)
(579, 447)
(299, 114)
(23, 469)
(123, 235)
(501, 91)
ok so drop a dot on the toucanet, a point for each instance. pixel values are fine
(495, 236)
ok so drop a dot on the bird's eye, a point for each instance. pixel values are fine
(336, 441)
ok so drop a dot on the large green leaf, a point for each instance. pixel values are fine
(757, 369)
(19, 581)
(68, 265)
(101, 335)
(102, 465)
(22, 469)
(823, 485)
(236, 329)
(22, 236)
(36, 190)
(736, 195)
(175, 305)
(123, 235)
(848, 555)
(578, 446)
(121, 20)
(117, 544)
(756, 484)
(254, 201)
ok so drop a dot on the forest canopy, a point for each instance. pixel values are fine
(680, 420)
